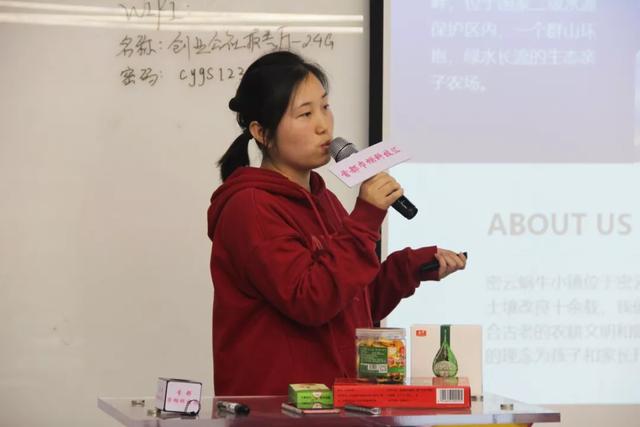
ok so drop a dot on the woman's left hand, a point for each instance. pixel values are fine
(449, 262)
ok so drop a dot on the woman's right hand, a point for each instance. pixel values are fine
(380, 190)
(449, 262)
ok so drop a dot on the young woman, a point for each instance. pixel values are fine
(294, 274)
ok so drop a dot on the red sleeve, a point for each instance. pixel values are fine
(399, 274)
(308, 285)
(398, 278)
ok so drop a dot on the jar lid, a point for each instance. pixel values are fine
(380, 332)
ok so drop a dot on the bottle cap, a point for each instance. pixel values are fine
(390, 333)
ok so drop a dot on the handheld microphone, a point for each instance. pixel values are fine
(341, 149)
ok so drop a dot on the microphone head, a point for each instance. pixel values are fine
(340, 149)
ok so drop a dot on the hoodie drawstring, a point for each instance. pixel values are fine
(334, 347)
(318, 216)
(333, 208)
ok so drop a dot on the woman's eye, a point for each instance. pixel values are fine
(326, 107)
(307, 114)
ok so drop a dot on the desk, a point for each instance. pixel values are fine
(265, 411)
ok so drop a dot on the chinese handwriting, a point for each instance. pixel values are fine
(217, 44)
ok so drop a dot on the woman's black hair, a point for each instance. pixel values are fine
(263, 96)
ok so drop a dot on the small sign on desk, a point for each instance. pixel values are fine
(182, 396)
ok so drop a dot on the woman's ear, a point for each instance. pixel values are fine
(257, 132)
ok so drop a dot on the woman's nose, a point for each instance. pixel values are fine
(323, 123)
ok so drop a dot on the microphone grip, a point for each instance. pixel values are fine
(434, 265)
(405, 207)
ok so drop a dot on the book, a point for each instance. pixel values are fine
(429, 392)
(466, 341)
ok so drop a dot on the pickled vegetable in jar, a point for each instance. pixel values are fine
(381, 355)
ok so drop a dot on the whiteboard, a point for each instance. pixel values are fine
(111, 122)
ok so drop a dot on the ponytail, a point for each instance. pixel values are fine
(236, 156)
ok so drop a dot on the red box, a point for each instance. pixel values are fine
(431, 392)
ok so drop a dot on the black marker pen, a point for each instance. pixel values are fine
(365, 409)
(233, 407)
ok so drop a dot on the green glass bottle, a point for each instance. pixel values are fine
(445, 364)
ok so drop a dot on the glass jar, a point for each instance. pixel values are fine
(381, 355)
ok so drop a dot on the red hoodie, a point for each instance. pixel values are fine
(294, 275)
